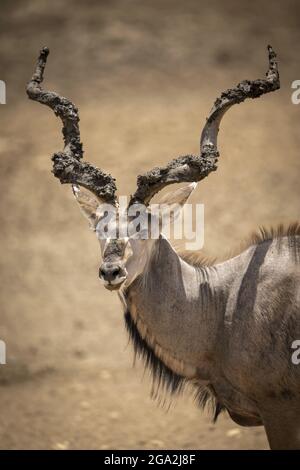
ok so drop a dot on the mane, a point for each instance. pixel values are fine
(163, 376)
(263, 234)
(266, 234)
(197, 258)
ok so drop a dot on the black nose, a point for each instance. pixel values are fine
(109, 272)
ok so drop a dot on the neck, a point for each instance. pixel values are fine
(176, 312)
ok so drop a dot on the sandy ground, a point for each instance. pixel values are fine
(144, 75)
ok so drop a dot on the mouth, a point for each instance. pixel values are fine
(114, 285)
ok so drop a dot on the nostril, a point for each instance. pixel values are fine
(102, 272)
(115, 272)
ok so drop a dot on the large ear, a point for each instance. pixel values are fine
(179, 196)
(174, 201)
(88, 204)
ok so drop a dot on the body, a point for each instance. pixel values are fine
(227, 327)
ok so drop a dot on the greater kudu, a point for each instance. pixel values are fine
(227, 328)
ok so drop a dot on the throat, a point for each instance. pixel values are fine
(166, 368)
(163, 375)
(164, 371)
(170, 373)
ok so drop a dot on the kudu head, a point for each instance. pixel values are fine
(124, 242)
(126, 232)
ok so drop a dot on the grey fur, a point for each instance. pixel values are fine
(234, 323)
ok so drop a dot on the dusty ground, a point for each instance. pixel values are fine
(144, 75)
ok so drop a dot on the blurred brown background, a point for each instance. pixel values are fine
(144, 75)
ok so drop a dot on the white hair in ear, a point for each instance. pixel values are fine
(88, 204)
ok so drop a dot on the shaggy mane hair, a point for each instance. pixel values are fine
(196, 258)
(163, 376)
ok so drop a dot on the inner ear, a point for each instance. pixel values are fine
(177, 196)
(170, 205)
(88, 204)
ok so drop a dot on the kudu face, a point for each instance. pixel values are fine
(115, 249)
(124, 257)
